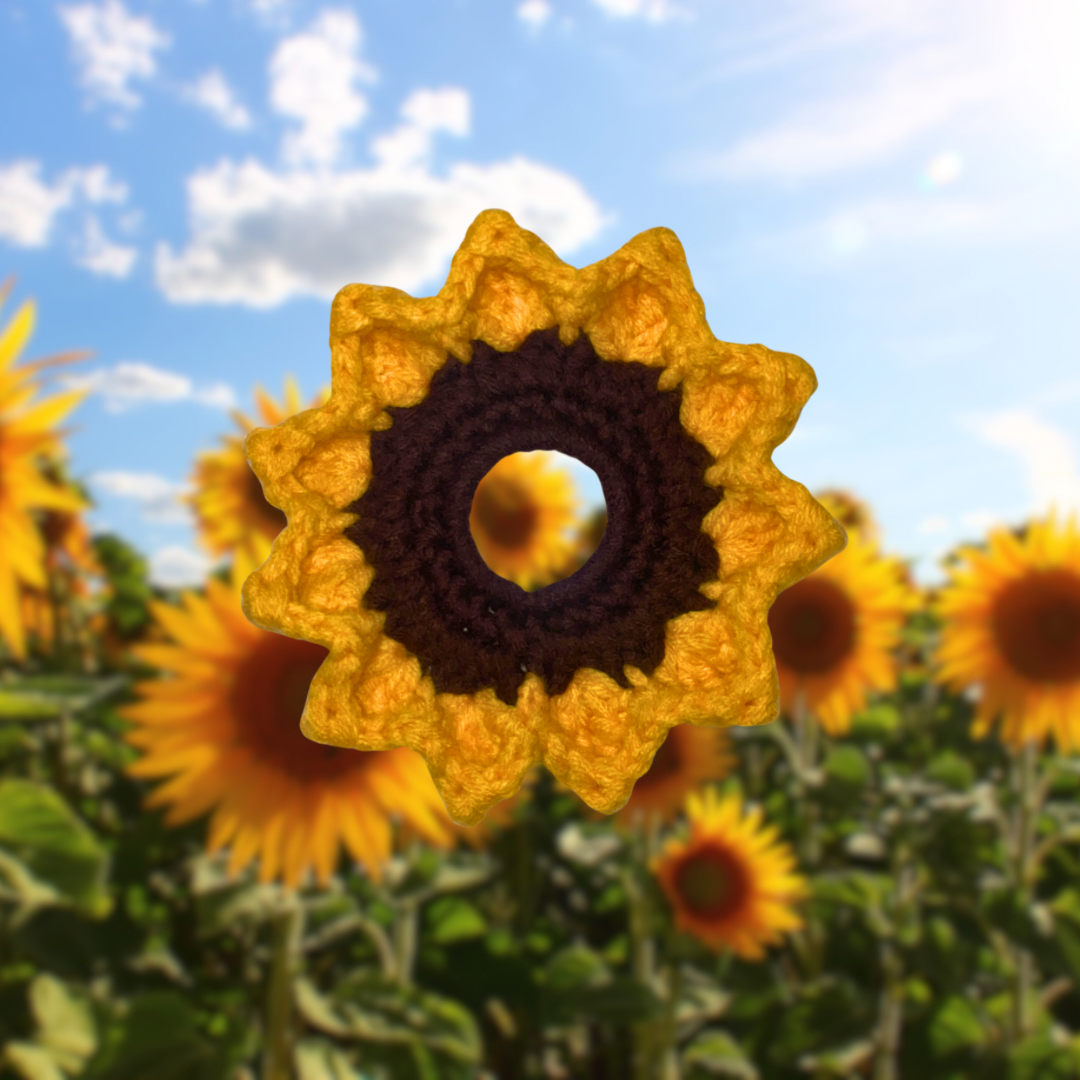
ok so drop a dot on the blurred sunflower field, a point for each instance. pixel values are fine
(883, 883)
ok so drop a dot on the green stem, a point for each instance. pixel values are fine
(891, 1000)
(642, 944)
(667, 1056)
(286, 930)
(890, 1014)
(406, 914)
(806, 744)
(1025, 816)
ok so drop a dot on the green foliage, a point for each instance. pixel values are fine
(127, 951)
(47, 854)
(157, 1035)
(127, 573)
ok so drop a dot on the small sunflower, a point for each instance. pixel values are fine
(28, 437)
(70, 565)
(586, 540)
(689, 757)
(851, 512)
(231, 510)
(224, 726)
(1012, 627)
(520, 516)
(613, 365)
(835, 633)
(732, 883)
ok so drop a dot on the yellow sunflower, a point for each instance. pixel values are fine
(231, 510)
(70, 566)
(732, 883)
(613, 365)
(1012, 627)
(836, 632)
(520, 517)
(586, 541)
(28, 436)
(689, 757)
(851, 512)
(224, 727)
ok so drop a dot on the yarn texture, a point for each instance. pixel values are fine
(613, 364)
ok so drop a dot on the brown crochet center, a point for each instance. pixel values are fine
(472, 629)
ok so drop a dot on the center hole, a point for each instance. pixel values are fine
(538, 517)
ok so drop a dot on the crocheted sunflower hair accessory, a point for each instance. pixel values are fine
(666, 624)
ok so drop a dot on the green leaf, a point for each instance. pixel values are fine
(847, 771)
(1041, 1058)
(876, 722)
(157, 1038)
(1067, 904)
(621, 1000)
(451, 918)
(45, 697)
(65, 1023)
(1067, 939)
(1011, 913)
(223, 902)
(572, 969)
(31, 1062)
(39, 833)
(716, 1053)
(952, 770)
(853, 888)
(956, 1026)
(371, 1009)
(830, 1011)
(450, 878)
(15, 706)
(318, 1060)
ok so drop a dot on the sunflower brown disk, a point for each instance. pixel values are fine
(835, 633)
(812, 625)
(712, 883)
(1037, 625)
(614, 365)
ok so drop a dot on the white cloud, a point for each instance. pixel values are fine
(942, 169)
(260, 237)
(313, 79)
(29, 205)
(1047, 453)
(426, 112)
(858, 127)
(96, 184)
(101, 256)
(131, 383)
(211, 91)
(260, 234)
(176, 567)
(980, 521)
(534, 12)
(160, 501)
(272, 12)
(112, 49)
(883, 223)
(652, 10)
(936, 523)
(888, 74)
(447, 109)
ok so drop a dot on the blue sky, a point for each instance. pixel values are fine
(886, 189)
